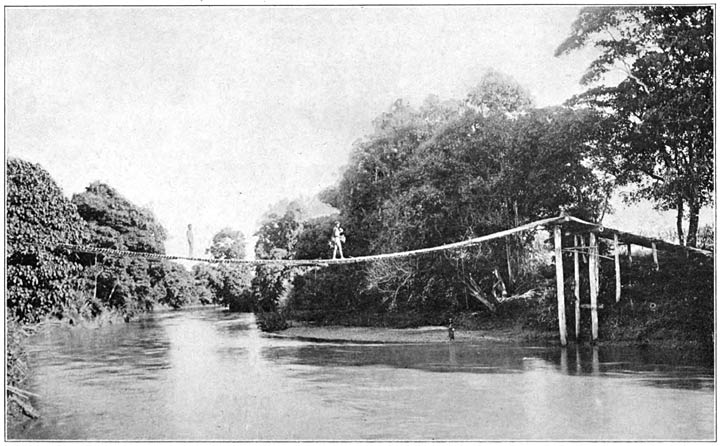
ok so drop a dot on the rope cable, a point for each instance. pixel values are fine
(317, 262)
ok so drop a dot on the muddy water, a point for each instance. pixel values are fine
(209, 375)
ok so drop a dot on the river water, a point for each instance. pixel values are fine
(206, 374)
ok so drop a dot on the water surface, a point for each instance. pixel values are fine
(205, 374)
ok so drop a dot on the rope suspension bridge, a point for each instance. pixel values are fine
(561, 225)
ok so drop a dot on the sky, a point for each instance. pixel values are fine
(209, 115)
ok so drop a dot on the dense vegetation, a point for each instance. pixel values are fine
(455, 169)
(438, 174)
(445, 171)
(45, 280)
(658, 120)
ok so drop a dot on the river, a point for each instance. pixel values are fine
(205, 374)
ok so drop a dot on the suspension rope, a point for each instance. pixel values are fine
(321, 262)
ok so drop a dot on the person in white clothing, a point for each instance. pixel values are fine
(337, 240)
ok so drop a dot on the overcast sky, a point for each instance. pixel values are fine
(208, 115)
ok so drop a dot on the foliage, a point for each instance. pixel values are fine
(492, 165)
(39, 217)
(659, 119)
(673, 304)
(271, 321)
(234, 291)
(226, 285)
(208, 282)
(178, 285)
(268, 286)
(117, 223)
(277, 236)
(322, 294)
(16, 370)
(228, 244)
(498, 93)
(130, 284)
(312, 242)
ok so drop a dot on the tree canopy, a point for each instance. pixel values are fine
(228, 243)
(129, 284)
(39, 275)
(659, 118)
(478, 166)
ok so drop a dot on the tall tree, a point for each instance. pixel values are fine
(660, 116)
(228, 243)
(39, 275)
(131, 284)
(498, 93)
(228, 284)
(277, 236)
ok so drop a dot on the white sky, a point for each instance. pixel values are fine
(208, 115)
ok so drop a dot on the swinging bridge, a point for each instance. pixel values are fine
(560, 226)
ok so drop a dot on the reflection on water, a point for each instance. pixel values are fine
(209, 375)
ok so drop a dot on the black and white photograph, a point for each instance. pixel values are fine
(359, 222)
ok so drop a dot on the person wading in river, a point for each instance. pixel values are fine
(337, 240)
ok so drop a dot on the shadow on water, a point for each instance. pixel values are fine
(658, 367)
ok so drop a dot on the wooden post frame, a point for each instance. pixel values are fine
(560, 280)
(593, 273)
(617, 268)
(576, 262)
(629, 253)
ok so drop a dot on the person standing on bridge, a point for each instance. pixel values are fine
(337, 240)
(190, 240)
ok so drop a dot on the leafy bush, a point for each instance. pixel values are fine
(39, 274)
(270, 321)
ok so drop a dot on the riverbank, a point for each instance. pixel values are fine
(672, 307)
(682, 350)
(429, 334)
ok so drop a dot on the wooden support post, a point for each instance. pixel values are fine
(617, 268)
(629, 249)
(560, 280)
(595, 360)
(655, 259)
(593, 272)
(582, 243)
(576, 261)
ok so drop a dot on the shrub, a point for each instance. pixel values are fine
(271, 321)
(38, 218)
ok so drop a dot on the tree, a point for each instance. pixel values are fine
(228, 244)
(482, 167)
(312, 242)
(277, 237)
(229, 283)
(131, 284)
(39, 273)
(498, 93)
(660, 117)
(177, 284)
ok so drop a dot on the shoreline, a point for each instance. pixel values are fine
(427, 334)
(439, 335)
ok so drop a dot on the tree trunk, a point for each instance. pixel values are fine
(693, 226)
(679, 220)
(509, 263)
